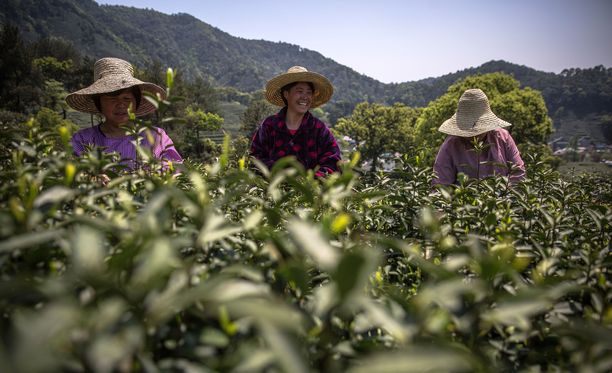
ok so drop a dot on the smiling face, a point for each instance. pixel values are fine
(299, 97)
(114, 107)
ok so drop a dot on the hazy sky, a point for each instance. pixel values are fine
(404, 40)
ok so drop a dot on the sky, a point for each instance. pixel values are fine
(407, 40)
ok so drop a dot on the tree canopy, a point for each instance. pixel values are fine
(379, 129)
(524, 108)
(255, 113)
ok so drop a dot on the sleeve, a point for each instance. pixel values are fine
(513, 155)
(164, 148)
(329, 153)
(445, 171)
(260, 146)
(78, 144)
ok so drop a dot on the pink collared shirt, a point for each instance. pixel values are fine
(456, 155)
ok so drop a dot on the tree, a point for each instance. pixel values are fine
(524, 108)
(37, 74)
(53, 96)
(202, 94)
(198, 121)
(378, 129)
(257, 111)
(56, 47)
(338, 109)
(52, 68)
(50, 120)
(54, 73)
(82, 74)
(16, 90)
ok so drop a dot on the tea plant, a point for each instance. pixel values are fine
(233, 267)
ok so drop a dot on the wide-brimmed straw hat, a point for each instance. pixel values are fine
(473, 116)
(323, 87)
(110, 75)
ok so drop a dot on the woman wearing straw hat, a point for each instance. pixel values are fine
(474, 121)
(114, 90)
(294, 131)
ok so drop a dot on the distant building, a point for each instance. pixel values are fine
(558, 143)
(583, 149)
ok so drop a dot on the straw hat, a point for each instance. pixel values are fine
(323, 87)
(473, 116)
(112, 74)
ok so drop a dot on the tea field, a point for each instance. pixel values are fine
(229, 267)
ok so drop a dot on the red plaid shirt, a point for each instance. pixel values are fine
(312, 144)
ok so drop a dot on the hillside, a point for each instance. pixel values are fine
(179, 40)
(579, 101)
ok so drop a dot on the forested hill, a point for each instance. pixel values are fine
(579, 100)
(421, 92)
(179, 40)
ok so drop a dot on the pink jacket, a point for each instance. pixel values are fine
(456, 155)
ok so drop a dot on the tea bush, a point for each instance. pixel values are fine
(232, 267)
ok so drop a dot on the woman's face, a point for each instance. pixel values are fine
(299, 98)
(115, 107)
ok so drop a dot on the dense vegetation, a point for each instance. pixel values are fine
(231, 267)
(578, 100)
(36, 76)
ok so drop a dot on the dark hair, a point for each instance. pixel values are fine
(135, 91)
(287, 87)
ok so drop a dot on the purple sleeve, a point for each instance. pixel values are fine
(260, 146)
(513, 155)
(329, 152)
(78, 144)
(164, 148)
(445, 171)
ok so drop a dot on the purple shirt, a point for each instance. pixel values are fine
(312, 144)
(456, 155)
(162, 148)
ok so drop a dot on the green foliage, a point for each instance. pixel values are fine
(196, 123)
(54, 96)
(378, 129)
(38, 74)
(53, 68)
(523, 108)
(221, 269)
(202, 121)
(527, 112)
(230, 94)
(50, 120)
(338, 109)
(241, 146)
(256, 112)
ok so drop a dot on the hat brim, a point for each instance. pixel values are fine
(323, 87)
(463, 128)
(82, 100)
